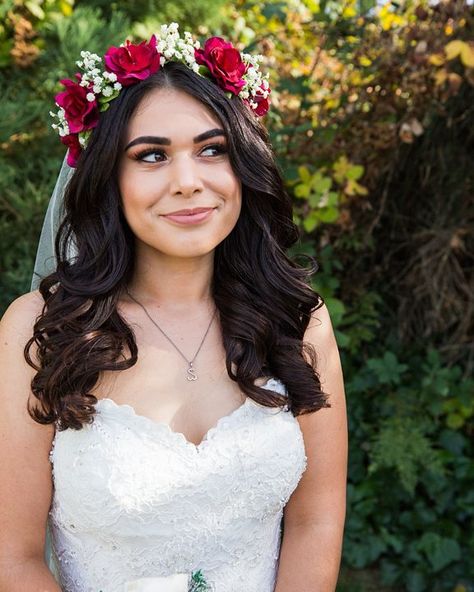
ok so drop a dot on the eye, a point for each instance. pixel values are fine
(143, 156)
(217, 148)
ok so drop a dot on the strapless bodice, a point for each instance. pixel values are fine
(135, 499)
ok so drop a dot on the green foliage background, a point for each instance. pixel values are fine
(372, 123)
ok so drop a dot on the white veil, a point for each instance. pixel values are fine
(45, 258)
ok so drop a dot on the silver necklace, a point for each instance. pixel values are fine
(191, 371)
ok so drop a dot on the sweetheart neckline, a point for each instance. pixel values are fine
(162, 425)
(179, 436)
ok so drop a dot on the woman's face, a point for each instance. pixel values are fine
(175, 158)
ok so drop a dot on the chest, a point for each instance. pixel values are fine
(160, 387)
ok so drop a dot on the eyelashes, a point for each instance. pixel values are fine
(220, 149)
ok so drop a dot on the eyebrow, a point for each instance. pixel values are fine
(212, 133)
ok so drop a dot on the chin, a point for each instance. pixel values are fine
(190, 253)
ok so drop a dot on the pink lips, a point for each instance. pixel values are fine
(189, 216)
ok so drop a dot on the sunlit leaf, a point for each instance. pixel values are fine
(440, 77)
(310, 222)
(302, 190)
(355, 172)
(329, 215)
(349, 11)
(365, 61)
(304, 174)
(332, 103)
(354, 188)
(314, 200)
(467, 55)
(340, 168)
(312, 5)
(66, 7)
(35, 9)
(321, 183)
(437, 59)
(453, 49)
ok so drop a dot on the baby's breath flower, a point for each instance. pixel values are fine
(103, 86)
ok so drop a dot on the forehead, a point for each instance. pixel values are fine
(170, 113)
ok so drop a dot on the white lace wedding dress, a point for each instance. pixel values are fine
(134, 499)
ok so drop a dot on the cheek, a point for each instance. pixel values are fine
(237, 206)
(230, 186)
(137, 195)
(234, 202)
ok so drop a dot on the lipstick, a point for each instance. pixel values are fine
(197, 215)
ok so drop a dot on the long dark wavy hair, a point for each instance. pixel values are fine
(263, 297)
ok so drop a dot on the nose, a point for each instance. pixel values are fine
(185, 177)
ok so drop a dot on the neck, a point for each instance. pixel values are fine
(172, 283)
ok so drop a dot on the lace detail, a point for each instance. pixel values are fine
(135, 499)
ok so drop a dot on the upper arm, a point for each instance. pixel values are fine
(320, 497)
(25, 470)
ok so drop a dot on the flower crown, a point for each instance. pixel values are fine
(101, 80)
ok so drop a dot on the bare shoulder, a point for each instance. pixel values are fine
(326, 429)
(320, 329)
(320, 334)
(320, 495)
(22, 312)
(16, 328)
(25, 471)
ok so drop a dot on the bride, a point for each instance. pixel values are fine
(172, 397)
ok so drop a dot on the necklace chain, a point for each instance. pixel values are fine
(191, 371)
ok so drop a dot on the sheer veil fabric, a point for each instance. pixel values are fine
(45, 258)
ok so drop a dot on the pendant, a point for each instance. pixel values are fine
(191, 372)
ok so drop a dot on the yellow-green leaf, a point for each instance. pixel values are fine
(365, 61)
(349, 12)
(329, 215)
(310, 222)
(437, 59)
(320, 183)
(440, 77)
(355, 172)
(353, 188)
(332, 103)
(302, 190)
(35, 9)
(313, 5)
(340, 167)
(453, 49)
(467, 55)
(66, 7)
(304, 174)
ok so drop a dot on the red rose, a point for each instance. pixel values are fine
(263, 104)
(133, 63)
(80, 113)
(72, 142)
(224, 63)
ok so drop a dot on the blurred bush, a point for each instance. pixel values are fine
(372, 124)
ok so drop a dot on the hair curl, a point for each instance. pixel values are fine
(264, 298)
